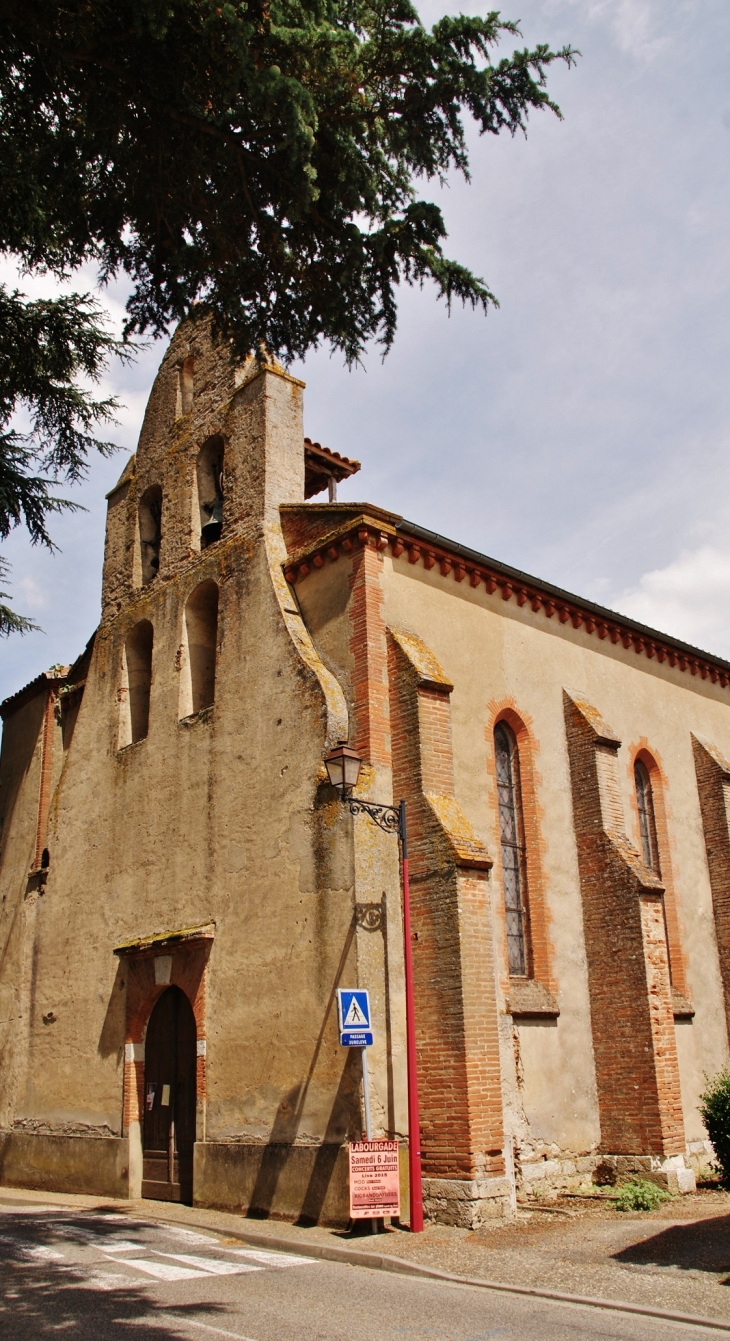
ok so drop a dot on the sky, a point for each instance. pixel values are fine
(582, 431)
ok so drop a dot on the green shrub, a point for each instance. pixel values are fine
(640, 1195)
(715, 1113)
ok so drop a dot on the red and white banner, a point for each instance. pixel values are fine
(374, 1179)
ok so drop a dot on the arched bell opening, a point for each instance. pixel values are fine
(136, 685)
(200, 640)
(168, 1124)
(150, 533)
(210, 484)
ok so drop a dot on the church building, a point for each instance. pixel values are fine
(183, 891)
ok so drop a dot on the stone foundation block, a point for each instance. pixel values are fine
(671, 1173)
(95, 1165)
(542, 1169)
(277, 1181)
(467, 1203)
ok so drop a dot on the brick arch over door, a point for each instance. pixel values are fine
(150, 971)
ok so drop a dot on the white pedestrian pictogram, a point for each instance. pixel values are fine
(355, 1018)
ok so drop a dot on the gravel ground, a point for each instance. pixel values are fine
(677, 1257)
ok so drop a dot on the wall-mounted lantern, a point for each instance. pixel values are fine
(343, 768)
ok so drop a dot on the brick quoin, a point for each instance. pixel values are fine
(371, 709)
(637, 1072)
(713, 785)
(455, 995)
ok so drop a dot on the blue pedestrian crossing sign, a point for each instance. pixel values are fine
(353, 1008)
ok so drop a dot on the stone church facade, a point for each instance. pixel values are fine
(182, 890)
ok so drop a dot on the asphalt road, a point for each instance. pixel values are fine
(107, 1277)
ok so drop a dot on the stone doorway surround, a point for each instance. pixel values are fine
(153, 963)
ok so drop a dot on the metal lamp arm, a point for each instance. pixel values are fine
(386, 817)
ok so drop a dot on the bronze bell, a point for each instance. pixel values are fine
(212, 529)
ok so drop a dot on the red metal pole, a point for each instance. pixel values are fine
(414, 1124)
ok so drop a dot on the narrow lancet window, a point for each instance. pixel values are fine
(185, 376)
(511, 832)
(150, 532)
(134, 695)
(201, 638)
(647, 820)
(210, 485)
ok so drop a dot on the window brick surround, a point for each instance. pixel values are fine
(538, 995)
(660, 791)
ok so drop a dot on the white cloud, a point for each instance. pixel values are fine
(31, 594)
(689, 598)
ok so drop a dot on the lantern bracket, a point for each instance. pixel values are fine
(386, 817)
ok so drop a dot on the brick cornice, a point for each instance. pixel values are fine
(453, 562)
(364, 530)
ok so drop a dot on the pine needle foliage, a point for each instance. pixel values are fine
(257, 157)
(46, 347)
(251, 161)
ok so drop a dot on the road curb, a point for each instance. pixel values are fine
(401, 1266)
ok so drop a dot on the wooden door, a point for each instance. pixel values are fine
(169, 1099)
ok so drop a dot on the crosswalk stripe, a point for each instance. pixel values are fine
(166, 1270)
(214, 1266)
(205, 1327)
(271, 1258)
(120, 1246)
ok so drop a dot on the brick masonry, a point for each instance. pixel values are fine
(713, 784)
(456, 1010)
(637, 1070)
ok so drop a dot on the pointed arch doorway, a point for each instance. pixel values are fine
(169, 1099)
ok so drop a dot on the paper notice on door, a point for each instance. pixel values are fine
(151, 1091)
(165, 1100)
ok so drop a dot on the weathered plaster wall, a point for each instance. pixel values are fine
(21, 894)
(224, 817)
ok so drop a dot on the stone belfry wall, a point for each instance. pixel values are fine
(203, 851)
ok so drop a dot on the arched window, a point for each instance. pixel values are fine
(511, 833)
(201, 637)
(209, 484)
(150, 532)
(650, 849)
(647, 818)
(136, 682)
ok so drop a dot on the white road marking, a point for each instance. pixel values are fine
(105, 1280)
(166, 1270)
(210, 1264)
(271, 1258)
(121, 1246)
(46, 1253)
(190, 1236)
(204, 1326)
